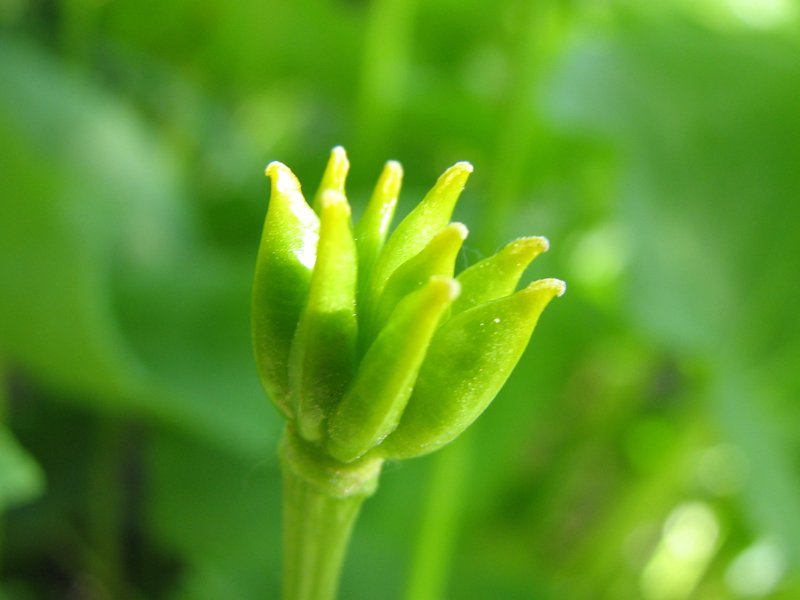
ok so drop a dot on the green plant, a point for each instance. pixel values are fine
(370, 347)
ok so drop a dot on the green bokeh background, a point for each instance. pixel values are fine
(648, 445)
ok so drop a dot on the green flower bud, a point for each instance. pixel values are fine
(364, 342)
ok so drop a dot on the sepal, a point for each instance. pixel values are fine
(437, 258)
(498, 275)
(373, 226)
(421, 224)
(334, 177)
(286, 256)
(323, 354)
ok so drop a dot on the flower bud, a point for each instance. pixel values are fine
(369, 346)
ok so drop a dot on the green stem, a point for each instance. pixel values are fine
(440, 522)
(387, 47)
(321, 500)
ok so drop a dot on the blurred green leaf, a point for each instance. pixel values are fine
(220, 514)
(88, 192)
(98, 254)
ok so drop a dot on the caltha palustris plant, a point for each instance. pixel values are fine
(371, 348)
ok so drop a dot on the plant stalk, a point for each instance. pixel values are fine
(321, 500)
(441, 522)
(387, 47)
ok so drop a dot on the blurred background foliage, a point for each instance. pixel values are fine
(646, 447)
